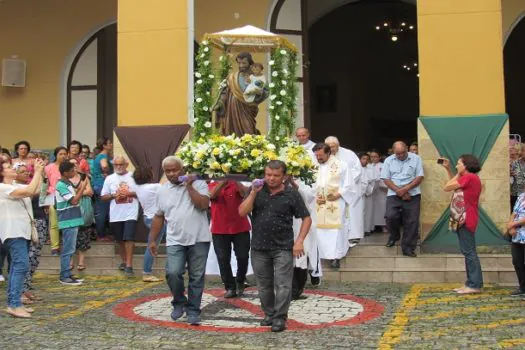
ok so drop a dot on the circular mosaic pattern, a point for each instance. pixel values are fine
(320, 309)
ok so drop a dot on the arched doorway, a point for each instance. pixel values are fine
(514, 68)
(355, 86)
(92, 88)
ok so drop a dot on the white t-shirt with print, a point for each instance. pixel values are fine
(121, 211)
(147, 195)
(14, 221)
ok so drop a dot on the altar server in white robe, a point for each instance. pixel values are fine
(334, 190)
(357, 205)
(380, 191)
(309, 263)
(367, 188)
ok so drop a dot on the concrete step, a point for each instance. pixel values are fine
(449, 262)
(97, 248)
(499, 277)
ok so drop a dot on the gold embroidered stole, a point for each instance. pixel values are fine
(328, 182)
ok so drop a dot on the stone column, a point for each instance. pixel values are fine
(461, 74)
(155, 62)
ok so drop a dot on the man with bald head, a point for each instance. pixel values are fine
(402, 172)
(303, 136)
(357, 205)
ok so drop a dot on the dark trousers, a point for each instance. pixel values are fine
(222, 244)
(273, 272)
(299, 281)
(4, 253)
(467, 245)
(398, 210)
(513, 200)
(518, 260)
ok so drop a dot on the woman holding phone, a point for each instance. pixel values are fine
(464, 217)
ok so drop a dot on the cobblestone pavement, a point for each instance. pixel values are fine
(118, 313)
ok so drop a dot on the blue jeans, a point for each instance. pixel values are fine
(195, 256)
(101, 213)
(17, 248)
(148, 258)
(69, 245)
(467, 245)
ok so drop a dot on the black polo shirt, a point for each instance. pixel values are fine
(272, 219)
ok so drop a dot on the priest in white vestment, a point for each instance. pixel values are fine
(334, 190)
(303, 137)
(357, 205)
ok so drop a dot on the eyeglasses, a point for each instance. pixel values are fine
(119, 164)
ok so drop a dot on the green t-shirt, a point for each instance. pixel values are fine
(69, 215)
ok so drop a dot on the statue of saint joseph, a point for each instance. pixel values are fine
(234, 114)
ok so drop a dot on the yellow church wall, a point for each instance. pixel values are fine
(45, 33)
(153, 62)
(213, 16)
(454, 74)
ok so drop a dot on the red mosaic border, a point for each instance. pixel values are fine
(371, 310)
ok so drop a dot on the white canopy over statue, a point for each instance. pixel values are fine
(248, 38)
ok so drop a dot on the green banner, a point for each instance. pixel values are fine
(454, 136)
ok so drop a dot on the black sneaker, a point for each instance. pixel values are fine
(240, 289)
(128, 271)
(518, 293)
(316, 281)
(122, 267)
(77, 279)
(230, 293)
(70, 282)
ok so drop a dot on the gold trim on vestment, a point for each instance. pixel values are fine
(329, 213)
(328, 226)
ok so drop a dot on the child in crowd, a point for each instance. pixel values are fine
(69, 218)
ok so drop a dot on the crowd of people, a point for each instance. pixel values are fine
(284, 225)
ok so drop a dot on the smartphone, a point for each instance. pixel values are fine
(441, 161)
(82, 176)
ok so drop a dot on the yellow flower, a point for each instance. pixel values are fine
(216, 151)
(196, 164)
(236, 152)
(225, 168)
(255, 153)
(270, 155)
(244, 164)
(215, 165)
(199, 155)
